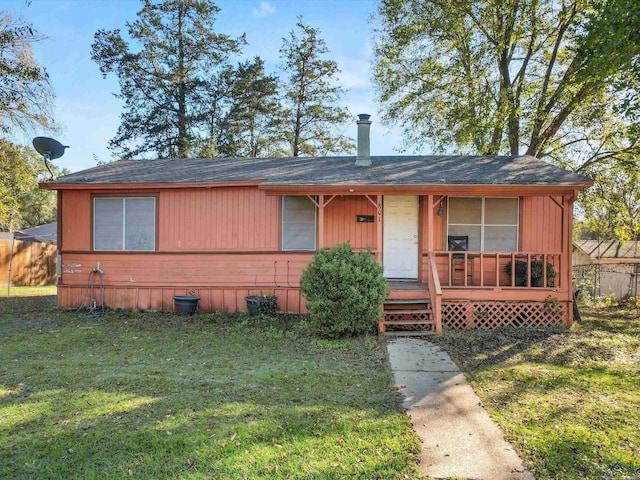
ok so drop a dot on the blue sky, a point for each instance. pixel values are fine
(89, 113)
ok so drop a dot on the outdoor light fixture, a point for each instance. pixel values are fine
(440, 212)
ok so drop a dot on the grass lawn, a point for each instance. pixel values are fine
(212, 396)
(46, 290)
(569, 400)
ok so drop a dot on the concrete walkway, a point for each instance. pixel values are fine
(459, 437)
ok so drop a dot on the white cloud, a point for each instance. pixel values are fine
(355, 73)
(264, 10)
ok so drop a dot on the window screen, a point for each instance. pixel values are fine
(490, 223)
(298, 223)
(127, 224)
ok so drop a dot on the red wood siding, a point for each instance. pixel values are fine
(187, 270)
(340, 222)
(76, 220)
(161, 298)
(235, 219)
(438, 226)
(540, 224)
(223, 243)
(438, 234)
(149, 281)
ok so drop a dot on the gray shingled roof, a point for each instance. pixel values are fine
(391, 170)
(609, 248)
(47, 233)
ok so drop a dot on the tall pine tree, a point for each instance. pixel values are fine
(165, 75)
(313, 118)
(249, 125)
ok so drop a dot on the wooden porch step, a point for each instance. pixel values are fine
(408, 323)
(406, 301)
(414, 311)
(410, 290)
(408, 294)
(409, 333)
(424, 310)
(407, 316)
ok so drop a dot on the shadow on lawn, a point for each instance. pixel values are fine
(568, 396)
(27, 304)
(484, 349)
(224, 396)
(157, 437)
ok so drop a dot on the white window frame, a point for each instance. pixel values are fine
(124, 226)
(315, 226)
(482, 223)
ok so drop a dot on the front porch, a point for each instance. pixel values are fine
(513, 267)
(487, 291)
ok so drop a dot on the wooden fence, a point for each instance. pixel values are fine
(32, 263)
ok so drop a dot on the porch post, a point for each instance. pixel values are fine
(320, 221)
(565, 260)
(379, 228)
(430, 243)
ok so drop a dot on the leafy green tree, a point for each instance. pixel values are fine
(165, 75)
(17, 177)
(38, 207)
(26, 96)
(611, 208)
(612, 39)
(499, 76)
(22, 204)
(312, 115)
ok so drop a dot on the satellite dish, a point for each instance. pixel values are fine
(49, 148)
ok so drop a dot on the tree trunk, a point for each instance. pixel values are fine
(183, 143)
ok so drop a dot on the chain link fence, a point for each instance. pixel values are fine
(597, 282)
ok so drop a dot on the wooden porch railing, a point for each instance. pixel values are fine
(435, 292)
(497, 269)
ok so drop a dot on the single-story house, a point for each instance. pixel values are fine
(446, 230)
(607, 267)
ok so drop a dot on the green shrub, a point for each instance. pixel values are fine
(344, 292)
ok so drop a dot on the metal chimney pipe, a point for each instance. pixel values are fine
(364, 157)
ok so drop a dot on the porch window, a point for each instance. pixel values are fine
(490, 223)
(126, 224)
(298, 223)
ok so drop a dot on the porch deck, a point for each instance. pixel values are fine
(407, 289)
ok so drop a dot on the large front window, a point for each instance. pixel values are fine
(298, 223)
(124, 224)
(491, 224)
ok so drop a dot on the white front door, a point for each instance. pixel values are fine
(400, 237)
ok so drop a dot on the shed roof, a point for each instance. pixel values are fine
(609, 248)
(47, 233)
(384, 170)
